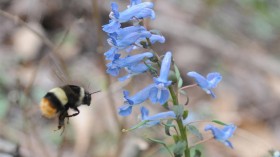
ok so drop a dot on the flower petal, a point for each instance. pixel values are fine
(213, 79)
(111, 27)
(144, 112)
(164, 69)
(125, 110)
(222, 135)
(200, 80)
(109, 55)
(159, 95)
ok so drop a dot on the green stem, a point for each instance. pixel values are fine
(179, 121)
(182, 129)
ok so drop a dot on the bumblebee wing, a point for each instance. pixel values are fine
(59, 70)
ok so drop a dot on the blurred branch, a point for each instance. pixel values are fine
(29, 127)
(47, 42)
(21, 22)
(100, 50)
(202, 141)
(109, 94)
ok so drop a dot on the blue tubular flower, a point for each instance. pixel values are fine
(153, 39)
(110, 54)
(134, 70)
(155, 119)
(117, 63)
(131, 38)
(113, 24)
(222, 135)
(123, 38)
(135, 59)
(159, 93)
(122, 32)
(157, 38)
(137, 10)
(206, 83)
(129, 102)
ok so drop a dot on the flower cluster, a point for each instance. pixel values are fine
(156, 92)
(123, 40)
(129, 38)
(122, 57)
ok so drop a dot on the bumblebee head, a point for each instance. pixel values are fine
(87, 98)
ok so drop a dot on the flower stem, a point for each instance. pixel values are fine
(189, 86)
(179, 121)
(203, 141)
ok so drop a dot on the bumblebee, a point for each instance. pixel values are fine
(60, 99)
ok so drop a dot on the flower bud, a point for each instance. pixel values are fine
(172, 77)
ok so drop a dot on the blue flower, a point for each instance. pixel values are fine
(130, 39)
(124, 38)
(222, 135)
(159, 93)
(157, 38)
(117, 63)
(208, 83)
(122, 32)
(153, 39)
(110, 54)
(130, 101)
(155, 119)
(113, 24)
(134, 70)
(137, 10)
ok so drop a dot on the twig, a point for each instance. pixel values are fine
(100, 50)
(189, 86)
(54, 56)
(21, 22)
(205, 140)
(199, 121)
(47, 42)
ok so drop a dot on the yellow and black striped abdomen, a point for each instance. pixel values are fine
(53, 102)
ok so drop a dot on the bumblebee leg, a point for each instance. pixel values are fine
(61, 118)
(67, 120)
(75, 114)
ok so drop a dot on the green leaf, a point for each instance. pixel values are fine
(194, 131)
(197, 153)
(176, 138)
(162, 143)
(167, 127)
(185, 114)
(177, 72)
(219, 122)
(180, 82)
(179, 148)
(178, 76)
(179, 110)
(188, 100)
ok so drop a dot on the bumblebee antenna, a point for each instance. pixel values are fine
(94, 92)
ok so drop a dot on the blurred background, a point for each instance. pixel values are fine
(49, 43)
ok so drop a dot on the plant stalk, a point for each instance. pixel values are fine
(182, 129)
